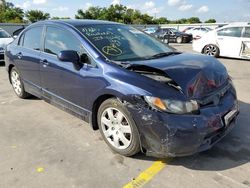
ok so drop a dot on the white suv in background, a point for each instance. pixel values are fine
(232, 40)
(5, 39)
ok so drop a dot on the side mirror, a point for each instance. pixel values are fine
(69, 56)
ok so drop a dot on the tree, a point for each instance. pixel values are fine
(10, 13)
(193, 20)
(36, 15)
(59, 18)
(211, 21)
(90, 13)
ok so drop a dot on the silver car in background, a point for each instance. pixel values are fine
(5, 38)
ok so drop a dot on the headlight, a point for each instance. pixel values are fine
(172, 106)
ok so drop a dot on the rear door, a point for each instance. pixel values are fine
(27, 56)
(229, 41)
(245, 49)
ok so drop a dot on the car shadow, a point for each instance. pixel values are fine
(232, 151)
(231, 58)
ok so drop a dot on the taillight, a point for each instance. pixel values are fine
(197, 37)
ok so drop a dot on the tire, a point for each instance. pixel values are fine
(179, 40)
(211, 50)
(17, 84)
(118, 128)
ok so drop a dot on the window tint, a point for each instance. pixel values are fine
(247, 32)
(32, 38)
(230, 32)
(57, 40)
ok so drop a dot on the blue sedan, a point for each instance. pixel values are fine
(140, 93)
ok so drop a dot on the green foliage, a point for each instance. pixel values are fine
(210, 21)
(36, 15)
(59, 18)
(123, 14)
(116, 13)
(11, 14)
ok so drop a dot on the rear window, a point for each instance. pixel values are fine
(230, 32)
(247, 32)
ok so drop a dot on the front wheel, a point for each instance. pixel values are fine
(118, 128)
(17, 84)
(211, 50)
(179, 40)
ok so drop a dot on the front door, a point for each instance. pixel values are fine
(62, 80)
(229, 41)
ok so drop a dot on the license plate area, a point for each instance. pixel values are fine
(228, 118)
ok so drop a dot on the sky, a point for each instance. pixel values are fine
(221, 10)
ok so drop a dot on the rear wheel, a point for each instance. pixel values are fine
(211, 50)
(118, 128)
(17, 84)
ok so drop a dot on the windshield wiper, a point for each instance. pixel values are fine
(163, 54)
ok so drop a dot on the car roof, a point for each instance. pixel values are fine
(235, 24)
(77, 22)
(238, 24)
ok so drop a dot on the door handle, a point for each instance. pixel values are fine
(220, 38)
(44, 62)
(19, 55)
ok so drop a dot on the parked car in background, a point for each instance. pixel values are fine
(140, 93)
(230, 41)
(5, 39)
(198, 32)
(187, 29)
(172, 35)
(150, 30)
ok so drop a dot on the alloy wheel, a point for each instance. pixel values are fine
(211, 50)
(116, 128)
(16, 82)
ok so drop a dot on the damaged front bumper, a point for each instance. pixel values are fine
(170, 135)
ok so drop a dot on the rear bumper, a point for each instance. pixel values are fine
(170, 135)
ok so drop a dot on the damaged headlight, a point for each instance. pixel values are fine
(172, 106)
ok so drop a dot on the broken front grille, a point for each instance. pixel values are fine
(214, 98)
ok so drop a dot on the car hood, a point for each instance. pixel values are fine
(197, 75)
(5, 41)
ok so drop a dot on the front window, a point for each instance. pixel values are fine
(4, 34)
(121, 42)
(231, 32)
(57, 40)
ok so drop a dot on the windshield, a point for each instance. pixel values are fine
(4, 34)
(174, 30)
(122, 43)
